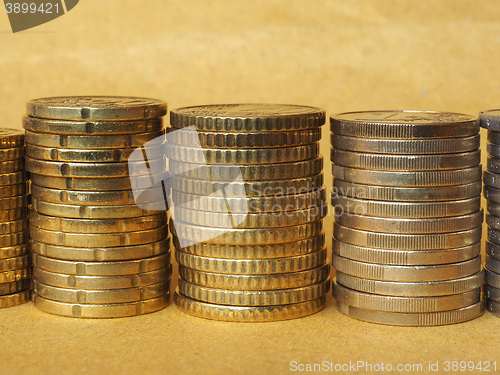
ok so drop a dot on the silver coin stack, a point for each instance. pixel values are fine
(490, 120)
(247, 215)
(407, 230)
(97, 253)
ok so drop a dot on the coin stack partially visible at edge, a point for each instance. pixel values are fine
(490, 120)
(248, 210)
(96, 254)
(15, 264)
(407, 232)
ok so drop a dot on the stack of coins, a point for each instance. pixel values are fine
(408, 220)
(491, 121)
(248, 202)
(96, 254)
(15, 266)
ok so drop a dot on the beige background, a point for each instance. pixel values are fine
(340, 55)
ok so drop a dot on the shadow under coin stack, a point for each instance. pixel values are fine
(491, 121)
(248, 226)
(15, 265)
(96, 254)
(407, 232)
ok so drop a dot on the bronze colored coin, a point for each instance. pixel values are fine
(386, 162)
(408, 178)
(406, 194)
(248, 188)
(129, 267)
(242, 156)
(101, 254)
(14, 287)
(12, 154)
(406, 257)
(88, 212)
(266, 251)
(94, 226)
(253, 298)
(100, 296)
(82, 183)
(414, 319)
(253, 266)
(118, 310)
(101, 282)
(404, 124)
(14, 251)
(92, 170)
(12, 203)
(39, 125)
(96, 108)
(16, 263)
(297, 279)
(12, 166)
(192, 234)
(91, 142)
(257, 172)
(405, 146)
(7, 191)
(246, 139)
(15, 275)
(98, 240)
(246, 313)
(248, 117)
(11, 138)
(15, 299)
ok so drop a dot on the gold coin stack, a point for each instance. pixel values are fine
(96, 254)
(408, 219)
(490, 120)
(15, 265)
(248, 233)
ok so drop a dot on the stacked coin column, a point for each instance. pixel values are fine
(408, 221)
(15, 266)
(96, 254)
(490, 120)
(248, 226)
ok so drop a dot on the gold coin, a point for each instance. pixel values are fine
(15, 263)
(256, 236)
(241, 155)
(13, 178)
(96, 108)
(297, 279)
(98, 240)
(15, 299)
(82, 183)
(253, 298)
(415, 319)
(15, 275)
(377, 302)
(404, 124)
(406, 146)
(254, 266)
(14, 287)
(14, 251)
(94, 226)
(11, 138)
(7, 191)
(246, 313)
(91, 142)
(248, 188)
(407, 273)
(12, 239)
(274, 204)
(12, 166)
(8, 227)
(251, 220)
(383, 162)
(101, 282)
(39, 125)
(118, 310)
(129, 267)
(87, 212)
(265, 251)
(257, 172)
(14, 214)
(100, 296)
(14, 153)
(11, 203)
(91, 170)
(246, 139)
(99, 254)
(248, 117)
